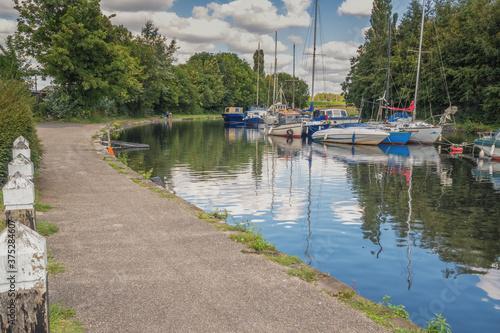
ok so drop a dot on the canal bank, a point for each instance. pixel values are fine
(140, 262)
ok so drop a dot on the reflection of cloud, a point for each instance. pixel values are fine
(490, 282)
(347, 212)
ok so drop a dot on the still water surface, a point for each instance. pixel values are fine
(420, 226)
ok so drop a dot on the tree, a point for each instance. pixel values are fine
(73, 42)
(155, 57)
(366, 79)
(13, 64)
(258, 62)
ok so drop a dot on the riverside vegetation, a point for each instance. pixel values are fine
(122, 74)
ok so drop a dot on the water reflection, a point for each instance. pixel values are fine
(399, 220)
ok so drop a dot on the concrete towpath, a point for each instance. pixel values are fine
(138, 262)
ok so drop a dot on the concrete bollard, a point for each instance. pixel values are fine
(21, 138)
(23, 280)
(22, 165)
(21, 148)
(19, 200)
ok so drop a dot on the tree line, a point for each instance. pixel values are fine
(460, 63)
(102, 69)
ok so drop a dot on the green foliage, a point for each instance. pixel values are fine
(284, 259)
(73, 41)
(398, 310)
(438, 325)
(61, 320)
(53, 267)
(346, 294)
(461, 65)
(16, 119)
(146, 174)
(305, 273)
(13, 64)
(46, 229)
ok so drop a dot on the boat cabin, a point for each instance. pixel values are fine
(288, 117)
(331, 113)
(233, 109)
(278, 107)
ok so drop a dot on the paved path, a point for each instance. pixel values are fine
(137, 262)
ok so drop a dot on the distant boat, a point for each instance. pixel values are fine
(288, 124)
(351, 134)
(324, 118)
(233, 114)
(254, 116)
(490, 145)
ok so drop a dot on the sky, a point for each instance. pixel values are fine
(238, 26)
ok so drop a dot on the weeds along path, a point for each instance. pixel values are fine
(139, 262)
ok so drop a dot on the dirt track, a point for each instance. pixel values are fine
(137, 262)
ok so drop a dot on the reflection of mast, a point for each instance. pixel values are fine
(273, 173)
(408, 230)
(309, 207)
(379, 222)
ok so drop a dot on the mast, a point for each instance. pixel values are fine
(388, 69)
(293, 79)
(419, 59)
(258, 72)
(314, 50)
(275, 64)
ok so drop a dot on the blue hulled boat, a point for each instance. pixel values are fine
(233, 114)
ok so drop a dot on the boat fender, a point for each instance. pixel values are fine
(492, 151)
(481, 153)
(289, 132)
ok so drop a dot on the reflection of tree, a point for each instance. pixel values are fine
(199, 144)
(460, 222)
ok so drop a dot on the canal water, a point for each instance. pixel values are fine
(413, 222)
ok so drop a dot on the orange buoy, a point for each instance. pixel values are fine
(456, 150)
(110, 151)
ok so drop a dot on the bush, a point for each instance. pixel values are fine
(60, 105)
(16, 119)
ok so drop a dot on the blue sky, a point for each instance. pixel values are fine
(239, 25)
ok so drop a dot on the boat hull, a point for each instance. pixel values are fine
(397, 138)
(352, 135)
(489, 146)
(232, 117)
(286, 130)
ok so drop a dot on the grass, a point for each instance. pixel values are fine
(53, 267)
(304, 272)
(46, 229)
(116, 167)
(284, 259)
(139, 182)
(39, 207)
(61, 320)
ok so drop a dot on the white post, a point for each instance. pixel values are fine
(23, 280)
(22, 165)
(19, 200)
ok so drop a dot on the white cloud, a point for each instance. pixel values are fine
(332, 65)
(261, 16)
(7, 27)
(136, 6)
(358, 8)
(296, 39)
